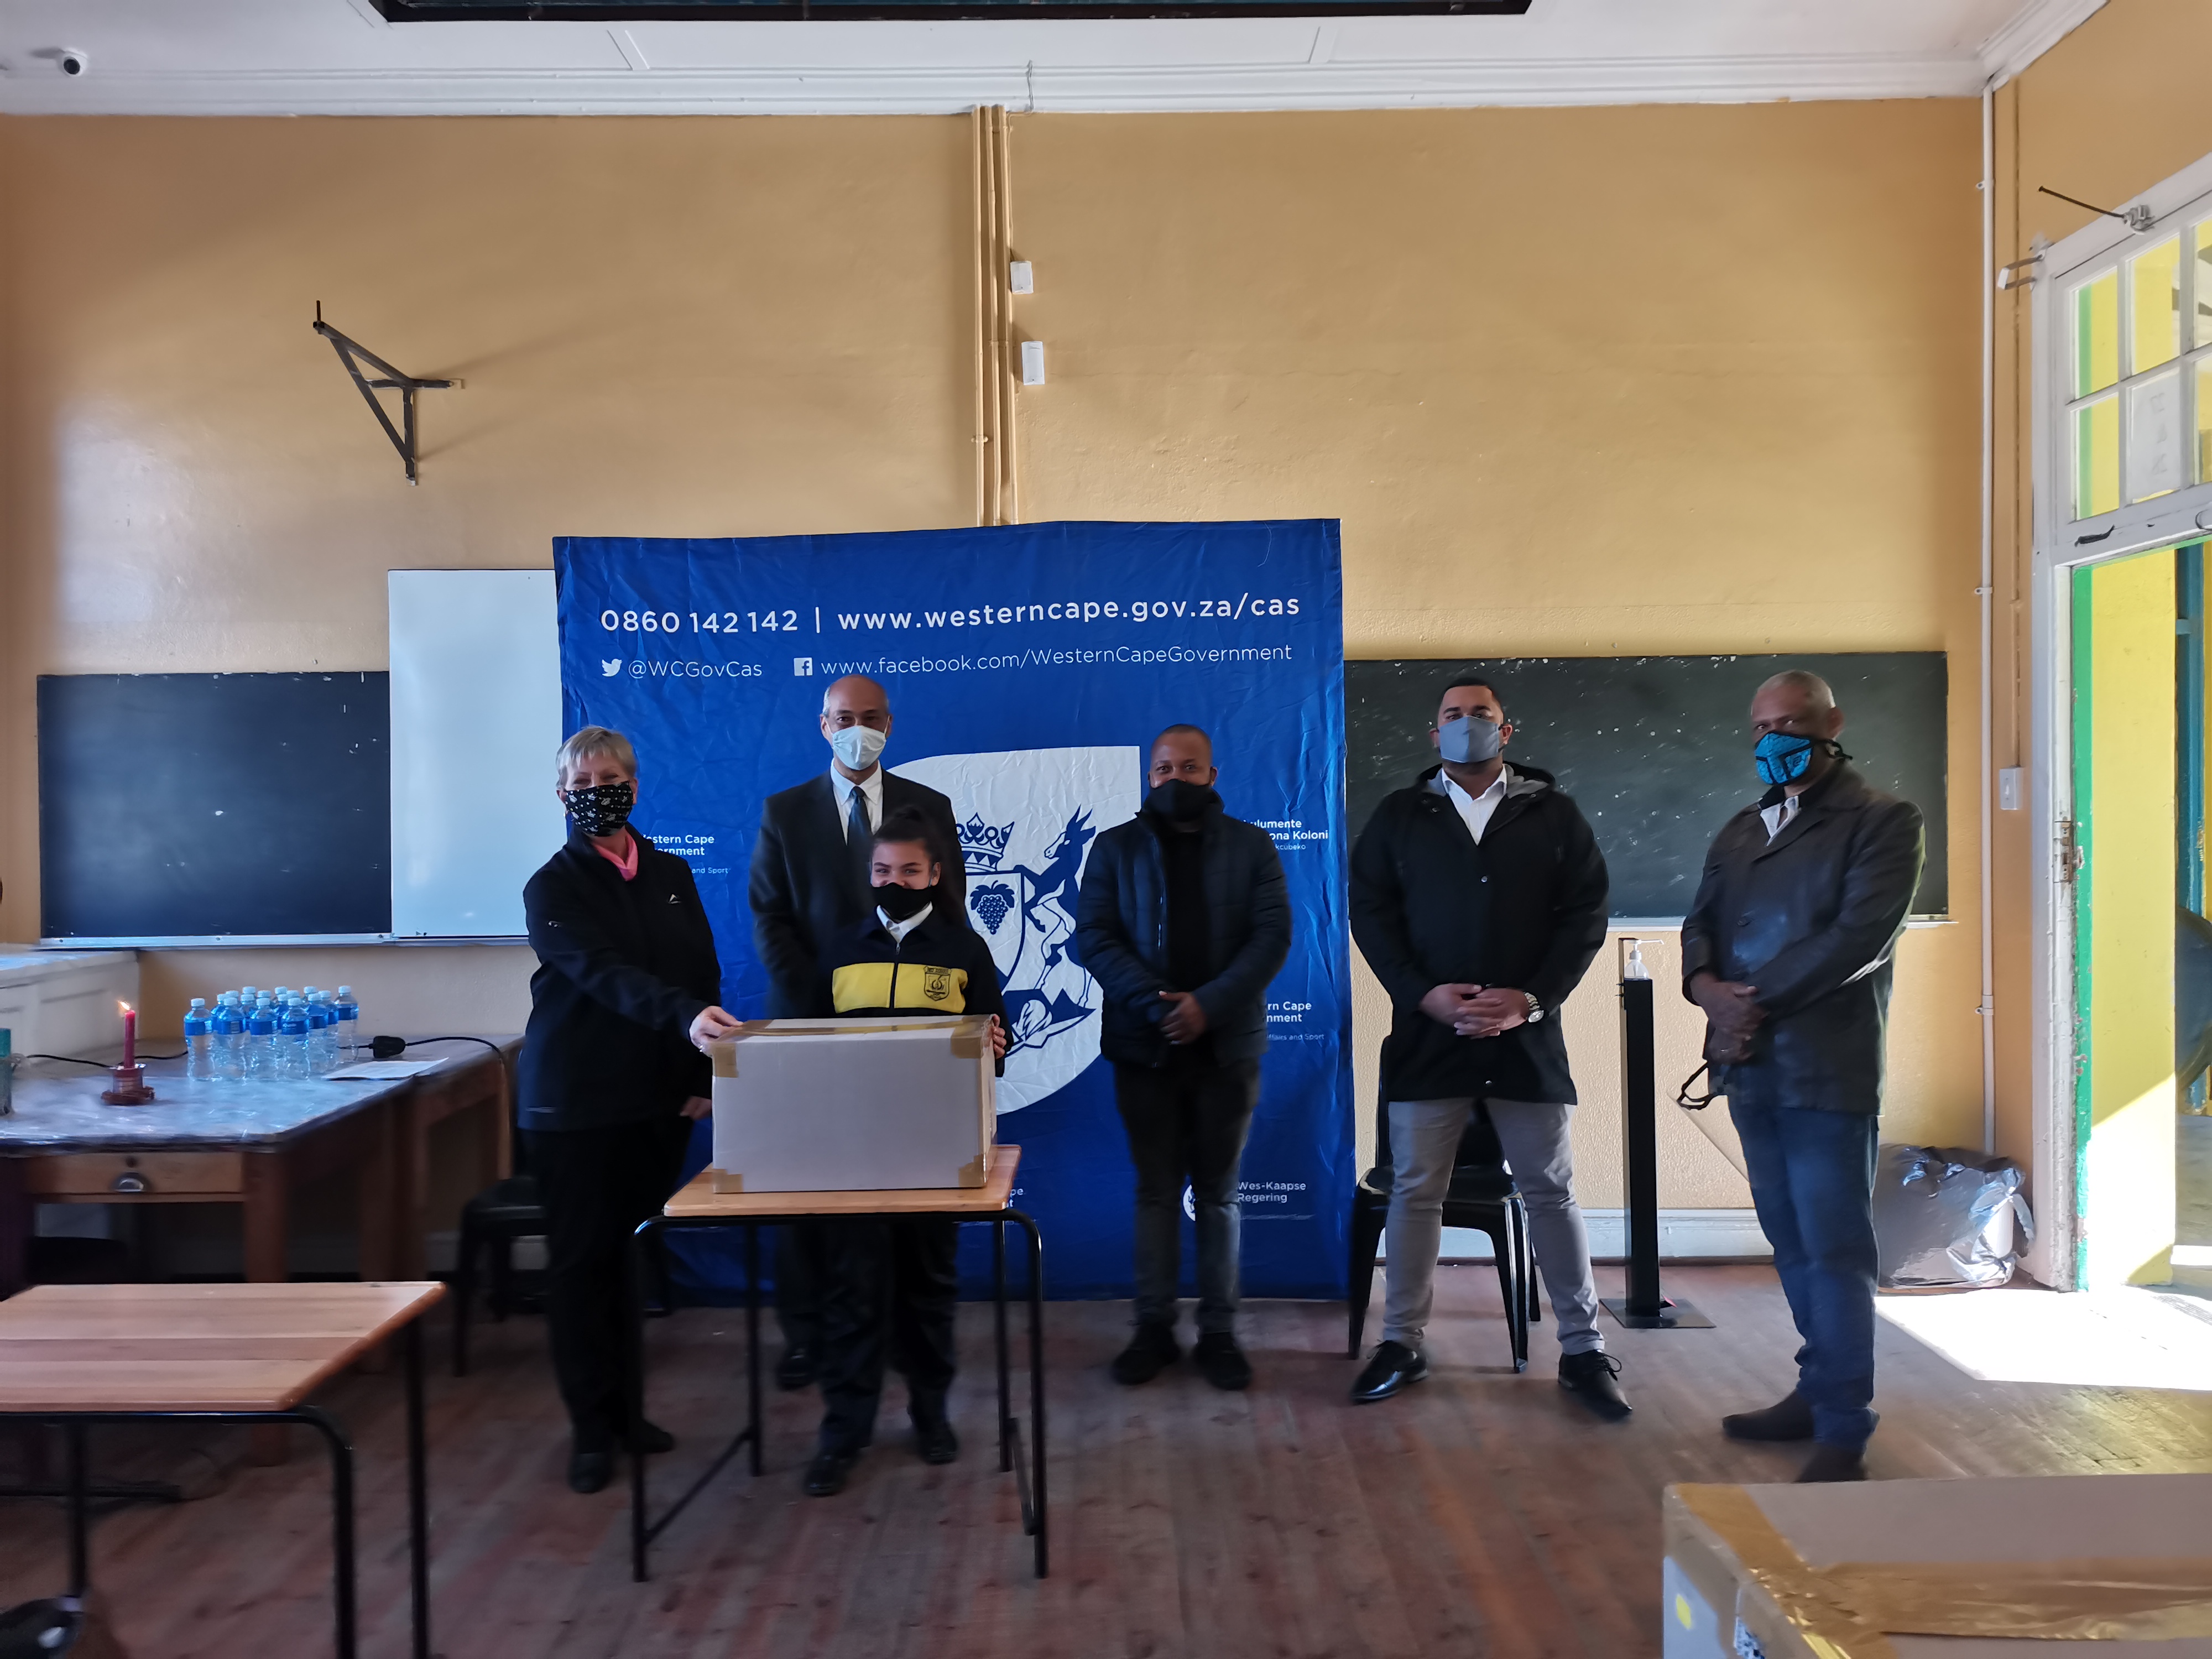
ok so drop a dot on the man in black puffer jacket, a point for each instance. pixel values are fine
(1478, 899)
(1183, 918)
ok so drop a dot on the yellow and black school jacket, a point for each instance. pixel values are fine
(940, 967)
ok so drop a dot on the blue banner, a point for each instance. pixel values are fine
(1028, 668)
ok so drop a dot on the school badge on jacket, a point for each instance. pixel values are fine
(1027, 818)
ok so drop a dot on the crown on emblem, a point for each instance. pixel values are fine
(982, 845)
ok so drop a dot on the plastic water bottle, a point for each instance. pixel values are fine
(292, 1035)
(228, 1030)
(261, 1041)
(199, 1044)
(348, 1027)
(322, 1035)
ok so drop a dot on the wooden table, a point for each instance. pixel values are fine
(81, 1354)
(248, 1143)
(698, 1205)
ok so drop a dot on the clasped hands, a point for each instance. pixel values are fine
(1734, 1012)
(1477, 1010)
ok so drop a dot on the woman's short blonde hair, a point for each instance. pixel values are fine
(593, 743)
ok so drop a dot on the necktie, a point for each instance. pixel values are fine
(858, 832)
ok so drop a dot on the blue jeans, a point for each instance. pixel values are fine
(1812, 1179)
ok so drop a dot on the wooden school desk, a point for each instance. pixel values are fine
(80, 1354)
(248, 1143)
(698, 1205)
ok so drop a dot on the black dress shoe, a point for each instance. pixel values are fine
(796, 1369)
(1789, 1419)
(1151, 1351)
(1221, 1362)
(1592, 1378)
(590, 1471)
(934, 1439)
(1833, 1463)
(825, 1475)
(650, 1437)
(1395, 1366)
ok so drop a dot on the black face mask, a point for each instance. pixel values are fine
(601, 810)
(1181, 802)
(903, 904)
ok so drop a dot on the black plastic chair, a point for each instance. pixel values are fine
(493, 1220)
(1482, 1196)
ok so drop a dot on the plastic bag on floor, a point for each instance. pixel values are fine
(1948, 1219)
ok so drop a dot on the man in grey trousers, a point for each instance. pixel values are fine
(1478, 899)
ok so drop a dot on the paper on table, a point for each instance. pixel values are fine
(379, 1071)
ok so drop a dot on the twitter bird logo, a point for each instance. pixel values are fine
(610, 666)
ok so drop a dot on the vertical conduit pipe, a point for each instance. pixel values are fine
(1987, 779)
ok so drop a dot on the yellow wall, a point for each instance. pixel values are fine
(1589, 381)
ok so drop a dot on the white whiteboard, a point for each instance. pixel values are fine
(476, 720)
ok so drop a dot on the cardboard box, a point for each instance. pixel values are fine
(856, 1105)
(2115, 1566)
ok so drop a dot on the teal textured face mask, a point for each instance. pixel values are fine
(1783, 757)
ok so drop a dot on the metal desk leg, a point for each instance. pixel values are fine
(634, 1364)
(999, 1333)
(752, 1342)
(342, 1569)
(80, 1510)
(1037, 1518)
(418, 1494)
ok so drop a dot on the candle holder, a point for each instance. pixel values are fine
(130, 1086)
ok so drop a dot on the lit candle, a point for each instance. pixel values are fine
(130, 1035)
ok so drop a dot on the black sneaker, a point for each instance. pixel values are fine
(934, 1440)
(651, 1437)
(1395, 1366)
(796, 1369)
(1592, 1378)
(826, 1474)
(1833, 1463)
(1151, 1351)
(1789, 1419)
(1221, 1362)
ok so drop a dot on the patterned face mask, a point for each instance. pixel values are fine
(601, 810)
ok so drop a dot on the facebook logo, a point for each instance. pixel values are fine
(803, 667)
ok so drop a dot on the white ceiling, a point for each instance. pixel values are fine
(340, 57)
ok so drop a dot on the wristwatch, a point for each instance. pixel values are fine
(1536, 1008)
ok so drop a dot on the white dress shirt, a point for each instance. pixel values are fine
(871, 792)
(899, 930)
(1476, 810)
(1777, 816)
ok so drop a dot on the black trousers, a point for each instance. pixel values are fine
(1187, 1122)
(886, 1294)
(597, 1184)
(795, 1295)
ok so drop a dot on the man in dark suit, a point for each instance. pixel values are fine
(1788, 951)
(809, 883)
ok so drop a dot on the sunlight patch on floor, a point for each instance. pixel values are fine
(2122, 1338)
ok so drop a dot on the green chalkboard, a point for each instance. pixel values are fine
(1656, 749)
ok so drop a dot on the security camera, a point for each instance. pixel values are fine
(72, 61)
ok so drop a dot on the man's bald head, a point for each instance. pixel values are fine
(1803, 684)
(856, 693)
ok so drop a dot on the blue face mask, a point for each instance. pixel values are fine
(1471, 741)
(1783, 757)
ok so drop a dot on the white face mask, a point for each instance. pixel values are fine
(858, 747)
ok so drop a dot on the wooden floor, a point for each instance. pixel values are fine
(1479, 1514)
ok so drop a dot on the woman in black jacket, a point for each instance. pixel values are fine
(611, 1072)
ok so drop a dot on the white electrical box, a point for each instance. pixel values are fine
(1033, 362)
(1021, 277)
(2012, 785)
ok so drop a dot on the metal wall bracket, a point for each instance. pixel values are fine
(353, 354)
